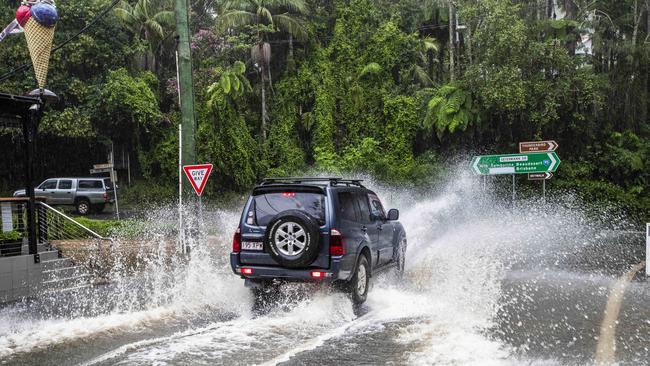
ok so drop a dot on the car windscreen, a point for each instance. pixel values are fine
(270, 204)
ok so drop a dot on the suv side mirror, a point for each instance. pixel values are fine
(393, 214)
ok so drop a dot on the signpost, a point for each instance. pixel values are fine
(537, 146)
(198, 176)
(540, 176)
(101, 168)
(515, 163)
(536, 158)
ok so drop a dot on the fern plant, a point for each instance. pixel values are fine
(449, 109)
(232, 82)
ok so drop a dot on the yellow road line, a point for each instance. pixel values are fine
(606, 349)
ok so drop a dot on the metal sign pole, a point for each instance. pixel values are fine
(544, 190)
(29, 134)
(200, 216)
(114, 180)
(647, 249)
(180, 188)
(514, 192)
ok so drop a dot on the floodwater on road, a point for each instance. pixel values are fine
(485, 284)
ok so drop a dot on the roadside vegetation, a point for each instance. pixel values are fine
(390, 88)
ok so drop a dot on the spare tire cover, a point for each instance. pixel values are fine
(292, 238)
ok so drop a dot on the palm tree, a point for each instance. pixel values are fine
(426, 47)
(263, 15)
(149, 21)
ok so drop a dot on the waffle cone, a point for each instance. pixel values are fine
(39, 43)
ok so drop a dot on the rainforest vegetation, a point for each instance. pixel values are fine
(395, 89)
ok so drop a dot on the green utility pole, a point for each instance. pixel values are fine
(188, 120)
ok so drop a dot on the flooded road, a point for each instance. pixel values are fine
(485, 284)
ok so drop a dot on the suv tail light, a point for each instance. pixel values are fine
(236, 241)
(337, 242)
(105, 195)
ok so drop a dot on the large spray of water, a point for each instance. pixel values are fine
(454, 306)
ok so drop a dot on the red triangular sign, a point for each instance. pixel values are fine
(198, 176)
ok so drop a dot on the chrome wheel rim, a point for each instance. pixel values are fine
(290, 239)
(362, 280)
(83, 208)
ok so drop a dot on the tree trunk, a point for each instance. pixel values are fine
(637, 21)
(291, 63)
(469, 44)
(452, 77)
(264, 117)
(430, 60)
(630, 111)
(647, 20)
(151, 58)
(570, 9)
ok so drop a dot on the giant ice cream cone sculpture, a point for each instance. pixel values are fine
(39, 31)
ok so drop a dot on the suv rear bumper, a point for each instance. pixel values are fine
(301, 275)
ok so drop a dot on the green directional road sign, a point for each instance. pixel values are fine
(515, 163)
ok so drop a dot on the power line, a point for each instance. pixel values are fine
(58, 47)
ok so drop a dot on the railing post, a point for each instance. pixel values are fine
(20, 223)
(30, 124)
(647, 249)
(43, 230)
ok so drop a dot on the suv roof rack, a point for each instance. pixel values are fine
(332, 181)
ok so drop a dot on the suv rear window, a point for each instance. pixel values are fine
(90, 184)
(270, 204)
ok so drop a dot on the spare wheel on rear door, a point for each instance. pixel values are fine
(292, 238)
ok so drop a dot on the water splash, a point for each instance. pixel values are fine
(454, 305)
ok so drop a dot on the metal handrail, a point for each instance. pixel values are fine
(74, 221)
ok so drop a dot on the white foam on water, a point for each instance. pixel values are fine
(166, 289)
(244, 340)
(461, 243)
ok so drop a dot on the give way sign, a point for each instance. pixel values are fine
(198, 176)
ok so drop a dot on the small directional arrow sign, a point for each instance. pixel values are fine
(540, 176)
(198, 176)
(515, 163)
(537, 146)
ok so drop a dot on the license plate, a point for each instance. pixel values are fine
(252, 245)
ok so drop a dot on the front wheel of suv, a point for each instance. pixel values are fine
(400, 257)
(360, 283)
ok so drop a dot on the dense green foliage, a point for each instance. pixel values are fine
(380, 87)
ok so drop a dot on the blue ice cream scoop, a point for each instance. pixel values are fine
(45, 14)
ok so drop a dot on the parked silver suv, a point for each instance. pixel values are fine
(86, 194)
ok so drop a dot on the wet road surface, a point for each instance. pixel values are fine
(480, 291)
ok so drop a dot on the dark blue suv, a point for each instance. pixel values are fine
(319, 230)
